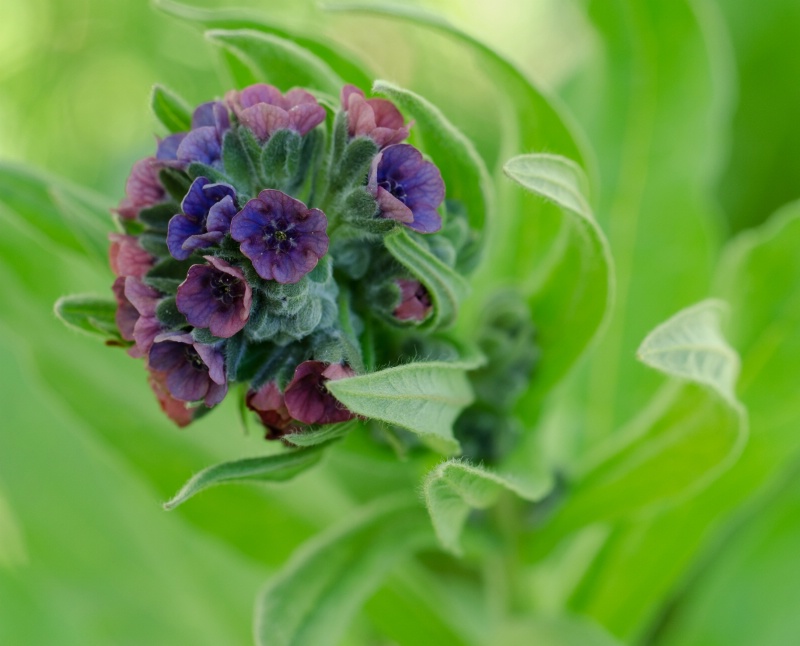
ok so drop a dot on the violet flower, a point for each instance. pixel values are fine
(282, 237)
(206, 218)
(193, 371)
(143, 188)
(407, 188)
(269, 404)
(378, 119)
(264, 110)
(415, 301)
(203, 143)
(126, 315)
(307, 399)
(215, 296)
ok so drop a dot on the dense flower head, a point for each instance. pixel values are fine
(378, 119)
(282, 237)
(193, 371)
(215, 296)
(408, 188)
(294, 265)
(206, 216)
(265, 110)
(307, 399)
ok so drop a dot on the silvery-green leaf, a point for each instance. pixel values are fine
(271, 468)
(453, 488)
(90, 314)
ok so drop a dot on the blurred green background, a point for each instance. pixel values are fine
(87, 556)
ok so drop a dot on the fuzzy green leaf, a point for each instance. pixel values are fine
(424, 397)
(320, 435)
(90, 314)
(170, 109)
(453, 488)
(314, 596)
(463, 170)
(277, 60)
(446, 287)
(572, 290)
(272, 468)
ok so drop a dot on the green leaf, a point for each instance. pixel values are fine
(68, 216)
(446, 287)
(423, 397)
(463, 170)
(90, 314)
(170, 109)
(571, 292)
(271, 468)
(277, 60)
(325, 583)
(553, 631)
(455, 487)
(346, 66)
(687, 437)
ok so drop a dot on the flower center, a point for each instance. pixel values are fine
(278, 236)
(194, 359)
(226, 288)
(395, 188)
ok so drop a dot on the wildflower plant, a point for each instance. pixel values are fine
(422, 316)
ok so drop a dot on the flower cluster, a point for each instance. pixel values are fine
(252, 251)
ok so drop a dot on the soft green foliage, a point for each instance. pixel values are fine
(316, 593)
(454, 487)
(652, 502)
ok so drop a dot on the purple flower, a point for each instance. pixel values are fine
(126, 314)
(193, 371)
(408, 188)
(207, 212)
(415, 301)
(142, 189)
(281, 236)
(264, 110)
(215, 296)
(270, 406)
(203, 143)
(307, 399)
(375, 118)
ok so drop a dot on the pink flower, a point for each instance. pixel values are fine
(307, 399)
(265, 110)
(378, 119)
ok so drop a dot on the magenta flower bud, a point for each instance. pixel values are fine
(126, 314)
(264, 109)
(407, 188)
(378, 119)
(173, 408)
(143, 189)
(307, 399)
(270, 406)
(215, 296)
(193, 371)
(283, 238)
(127, 258)
(415, 301)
